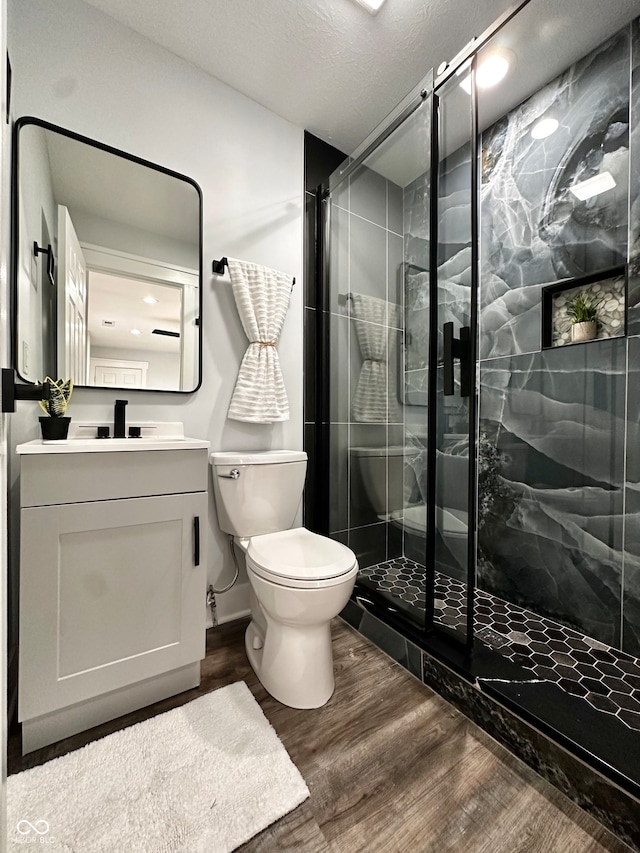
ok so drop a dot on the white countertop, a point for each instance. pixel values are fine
(155, 436)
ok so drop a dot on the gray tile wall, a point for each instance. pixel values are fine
(364, 309)
(559, 528)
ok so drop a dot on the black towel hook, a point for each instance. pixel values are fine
(51, 268)
(218, 266)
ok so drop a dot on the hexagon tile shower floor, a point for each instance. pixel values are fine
(604, 677)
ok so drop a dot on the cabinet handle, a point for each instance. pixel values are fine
(196, 540)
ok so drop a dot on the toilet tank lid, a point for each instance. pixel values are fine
(262, 457)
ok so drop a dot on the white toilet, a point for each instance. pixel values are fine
(299, 580)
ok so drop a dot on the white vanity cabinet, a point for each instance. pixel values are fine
(112, 584)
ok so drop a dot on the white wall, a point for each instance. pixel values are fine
(78, 68)
(36, 202)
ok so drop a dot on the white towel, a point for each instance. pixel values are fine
(370, 402)
(262, 298)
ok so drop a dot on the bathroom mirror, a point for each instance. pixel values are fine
(106, 265)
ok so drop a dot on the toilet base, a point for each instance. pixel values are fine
(293, 664)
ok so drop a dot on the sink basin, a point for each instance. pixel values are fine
(82, 439)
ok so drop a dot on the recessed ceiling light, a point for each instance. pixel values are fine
(490, 72)
(136, 332)
(545, 127)
(593, 186)
(150, 300)
(372, 6)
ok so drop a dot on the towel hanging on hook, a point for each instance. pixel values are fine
(262, 298)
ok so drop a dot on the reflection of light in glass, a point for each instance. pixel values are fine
(150, 300)
(371, 6)
(593, 186)
(490, 72)
(136, 332)
(545, 127)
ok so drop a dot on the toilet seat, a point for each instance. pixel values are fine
(301, 559)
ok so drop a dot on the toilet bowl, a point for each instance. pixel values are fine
(299, 580)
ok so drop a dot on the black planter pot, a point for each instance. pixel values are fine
(54, 429)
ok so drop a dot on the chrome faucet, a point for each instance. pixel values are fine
(119, 418)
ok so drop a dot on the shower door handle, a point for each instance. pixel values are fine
(459, 348)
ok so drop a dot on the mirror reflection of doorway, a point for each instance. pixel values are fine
(134, 330)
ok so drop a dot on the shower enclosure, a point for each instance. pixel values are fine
(484, 468)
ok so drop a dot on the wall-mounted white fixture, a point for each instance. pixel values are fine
(545, 127)
(136, 332)
(593, 186)
(491, 70)
(150, 300)
(372, 6)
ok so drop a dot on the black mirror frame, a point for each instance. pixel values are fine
(15, 230)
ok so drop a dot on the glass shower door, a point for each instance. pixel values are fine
(376, 339)
(452, 382)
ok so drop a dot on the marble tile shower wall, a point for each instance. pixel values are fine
(559, 524)
(365, 321)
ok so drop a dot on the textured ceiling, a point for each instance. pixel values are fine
(325, 65)
(332, 68)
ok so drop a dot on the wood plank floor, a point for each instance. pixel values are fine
(392, 767)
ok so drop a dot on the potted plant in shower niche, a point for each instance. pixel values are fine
(56, 426)
(582, 310)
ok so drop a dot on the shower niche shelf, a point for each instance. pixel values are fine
(608, 288)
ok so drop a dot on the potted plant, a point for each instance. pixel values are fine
(583, 313)
(56, 425)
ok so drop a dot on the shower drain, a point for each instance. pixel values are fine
(491, 638)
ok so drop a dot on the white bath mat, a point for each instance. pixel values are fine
(204, 777)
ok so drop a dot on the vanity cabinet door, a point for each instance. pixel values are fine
(110, 595)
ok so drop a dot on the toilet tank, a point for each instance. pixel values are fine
(265, 496)
(376, 464)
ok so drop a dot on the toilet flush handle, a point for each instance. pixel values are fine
(232, 475)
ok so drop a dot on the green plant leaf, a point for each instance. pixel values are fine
(56, 405)
(583, 308)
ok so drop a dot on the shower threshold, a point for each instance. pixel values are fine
(581, 691)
